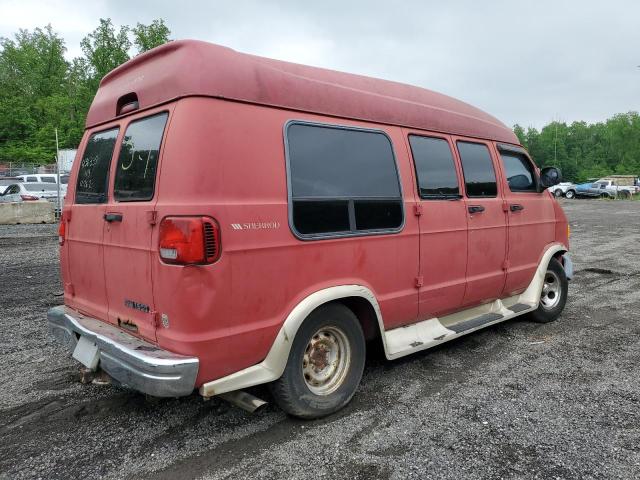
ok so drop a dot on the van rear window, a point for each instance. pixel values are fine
(94, 167)
(138, 159)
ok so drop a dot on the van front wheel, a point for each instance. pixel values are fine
(325, 364)
(553, 295)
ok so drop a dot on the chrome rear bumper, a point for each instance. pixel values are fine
(129, 360)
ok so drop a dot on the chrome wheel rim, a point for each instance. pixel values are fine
(550, 295)
(326, 360)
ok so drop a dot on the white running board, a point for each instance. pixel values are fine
(429, 333)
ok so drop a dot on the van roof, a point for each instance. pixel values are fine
(195, 68)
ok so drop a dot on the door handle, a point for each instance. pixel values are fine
(475, 208)
(113, 217)
(514, 207)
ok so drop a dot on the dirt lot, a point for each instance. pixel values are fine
(517, 400)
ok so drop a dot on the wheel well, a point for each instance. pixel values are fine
(558, 256)
(365, 313)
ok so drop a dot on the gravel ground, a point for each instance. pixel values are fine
(518, 400)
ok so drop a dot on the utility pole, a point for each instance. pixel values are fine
(58, 173)
(555, 146)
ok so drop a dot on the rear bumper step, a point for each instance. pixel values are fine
(129, 360)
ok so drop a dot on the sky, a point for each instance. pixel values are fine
(525, 62)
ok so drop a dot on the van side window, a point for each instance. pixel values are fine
(477, 167)
(138, 159)
(32, 179)
(94, 167)
(48, 180)
(342, 181)
(519, 172)
(435, 167)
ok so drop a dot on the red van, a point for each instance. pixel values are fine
(233, 220)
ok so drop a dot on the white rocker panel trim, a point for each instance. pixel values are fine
(397, 342)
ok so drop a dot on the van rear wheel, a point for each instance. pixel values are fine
(570, 194)
(325, 364)
(553, 295)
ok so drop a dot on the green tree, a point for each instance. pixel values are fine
(584, 151)
(33, 96)
(146, 37)
(105, 49)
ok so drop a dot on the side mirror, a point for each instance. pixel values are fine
(550, 176)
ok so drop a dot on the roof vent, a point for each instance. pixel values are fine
(127, 103)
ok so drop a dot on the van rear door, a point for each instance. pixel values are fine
(129, 220)
(85, 285)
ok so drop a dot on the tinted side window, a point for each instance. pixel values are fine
(94, 167)
(138, 159)
(435, 167)
(519, 172)
(342, 180)
(32, 179)
(48, 180)
(477, 167)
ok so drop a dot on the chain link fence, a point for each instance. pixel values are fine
(13, 169)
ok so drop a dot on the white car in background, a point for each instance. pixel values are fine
(50, 178)
(563, 189)
(6, 181)
(24, 192)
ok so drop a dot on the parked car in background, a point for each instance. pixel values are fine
(5, 182)
(50, 178)
(625, 181)
(564, 189)
(12, 193)
(594, 189)
(32, 191)
(605, 189)
(625, 190)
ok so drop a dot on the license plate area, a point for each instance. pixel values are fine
(86, 352)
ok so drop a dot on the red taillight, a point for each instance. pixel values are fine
(62, 230)
(189, 240)
(28, 197)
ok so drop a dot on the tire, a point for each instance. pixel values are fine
(570, 194)
(557, 193)
(624, 194)
(312, 385)
(553, 297)
(605, 196)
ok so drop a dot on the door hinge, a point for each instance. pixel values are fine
(505, 265)
(419, 281)
(505, 206)
(417, 209)
(152, 217)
